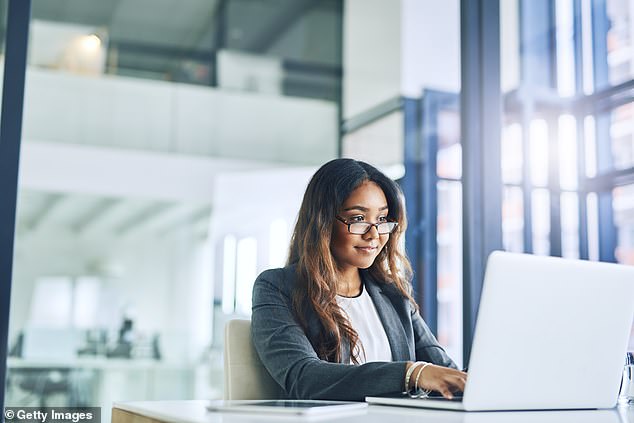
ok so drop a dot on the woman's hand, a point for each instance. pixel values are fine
(442, 379)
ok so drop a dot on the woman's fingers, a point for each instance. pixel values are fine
(442, 379)
(459, 382)
(446, 393)
(451, 386)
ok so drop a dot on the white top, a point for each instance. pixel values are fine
(364, 318)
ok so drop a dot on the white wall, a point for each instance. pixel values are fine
(162, 116)
(430, 46)
(371, 53)
(392, 49)
(380, 143)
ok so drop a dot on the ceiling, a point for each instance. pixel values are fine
(256, 26)
(105, 217)
(159, 22)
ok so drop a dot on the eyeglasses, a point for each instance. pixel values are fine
(361, 228)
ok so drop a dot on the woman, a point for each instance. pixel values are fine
(338, 322)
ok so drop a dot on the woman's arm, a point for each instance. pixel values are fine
(291, 360)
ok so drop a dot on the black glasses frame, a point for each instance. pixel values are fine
(369, 226)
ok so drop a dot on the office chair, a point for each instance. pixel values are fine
(245, 376)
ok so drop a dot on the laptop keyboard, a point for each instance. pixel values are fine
(456, 398)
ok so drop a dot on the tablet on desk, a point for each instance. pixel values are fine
(297, 407)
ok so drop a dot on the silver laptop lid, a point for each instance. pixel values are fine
(550, 334)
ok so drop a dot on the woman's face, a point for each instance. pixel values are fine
(367, 203)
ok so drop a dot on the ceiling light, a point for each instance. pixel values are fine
(91, 42)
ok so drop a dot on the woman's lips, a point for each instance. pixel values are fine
(367, 249)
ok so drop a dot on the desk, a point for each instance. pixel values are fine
(195, 412)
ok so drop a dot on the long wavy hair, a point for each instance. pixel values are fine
(317, 273)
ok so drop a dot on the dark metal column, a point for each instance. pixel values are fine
(554, 188)
(527, 183)
(480, 127)
(607, 230)
(580, 113)
(10, 135)
(412, 185)
(219, 39)
(340, 117)
(429, 118)
(582, 190)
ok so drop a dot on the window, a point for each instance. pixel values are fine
(568, 142)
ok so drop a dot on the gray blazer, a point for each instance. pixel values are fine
(286, 350)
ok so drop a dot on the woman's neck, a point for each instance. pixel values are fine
(349, 284)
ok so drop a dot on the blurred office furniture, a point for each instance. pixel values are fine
(123, 349)
(41, 384)
(41, 343)
(94, 342)
(95, 381)
(245, 376)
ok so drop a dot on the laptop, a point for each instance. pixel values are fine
(550, 334)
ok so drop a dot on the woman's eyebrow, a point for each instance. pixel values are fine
(363, 209)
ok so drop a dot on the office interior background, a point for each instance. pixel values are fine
(166, 146)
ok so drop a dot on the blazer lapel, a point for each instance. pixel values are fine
(393, 326)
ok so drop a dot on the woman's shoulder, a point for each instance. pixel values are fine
(282, 278)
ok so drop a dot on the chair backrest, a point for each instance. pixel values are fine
(245, 376)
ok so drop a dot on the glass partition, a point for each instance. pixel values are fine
(155, 139)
